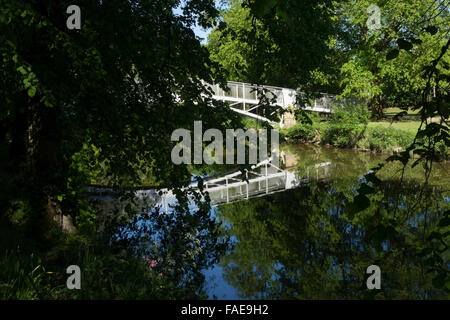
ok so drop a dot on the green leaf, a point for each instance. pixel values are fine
(431, 30)
(371, 177)
(26, 83)
(262, 7)
(439, 280)
(22, 70)
(32, 91)
(404, 44)
(392, 54)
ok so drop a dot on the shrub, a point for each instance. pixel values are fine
(441, 151)
(348, 128)
(351, 114)
(347, 125)
(104, 275)
(301, 116)
(343, 134)
(388, 139)
(302, 132)
(21, 277)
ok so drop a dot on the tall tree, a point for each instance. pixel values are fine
(367, 70)
(273, 43)
(109, 92)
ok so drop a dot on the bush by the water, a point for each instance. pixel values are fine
(299, 132)
(350, 114)
(347, 128)
(342, 134)
(386, 139)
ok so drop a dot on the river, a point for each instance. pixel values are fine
(303, 243)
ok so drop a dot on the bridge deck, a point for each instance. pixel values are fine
(247, 94)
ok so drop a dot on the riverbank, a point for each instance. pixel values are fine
(372, 137)
(380, 137)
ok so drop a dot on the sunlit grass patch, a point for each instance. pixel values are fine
(410, 126)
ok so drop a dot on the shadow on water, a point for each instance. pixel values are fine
(304, 244)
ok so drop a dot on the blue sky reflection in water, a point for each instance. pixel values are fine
(303, 244)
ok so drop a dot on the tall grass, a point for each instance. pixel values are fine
(21, 277)
(349, 128)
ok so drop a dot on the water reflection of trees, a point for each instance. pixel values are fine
(303, 244)
(346, 164)
(180, 245)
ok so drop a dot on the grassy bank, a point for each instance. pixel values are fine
(350, 128)
(365, 137)
(408, 126)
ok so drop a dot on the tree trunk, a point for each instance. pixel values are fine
(376, 108)
(48, 166)
(18, 148)
(42, 144)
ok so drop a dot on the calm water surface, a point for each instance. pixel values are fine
(303, 243)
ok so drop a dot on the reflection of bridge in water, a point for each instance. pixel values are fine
(261, 180)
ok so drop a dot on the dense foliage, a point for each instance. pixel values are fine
(265, 42)
(89, 105)
(348, 128)
(99, 104)
(374, 63)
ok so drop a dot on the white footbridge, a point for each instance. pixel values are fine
(243, 98)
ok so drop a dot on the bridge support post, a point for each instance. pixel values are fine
(243, 94)
(267, 180)
(289, 118)
(226, 183)
(285, 179)
(246, 176)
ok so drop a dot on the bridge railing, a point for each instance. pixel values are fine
(327, 101)
(330, 102)
(247, 92)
